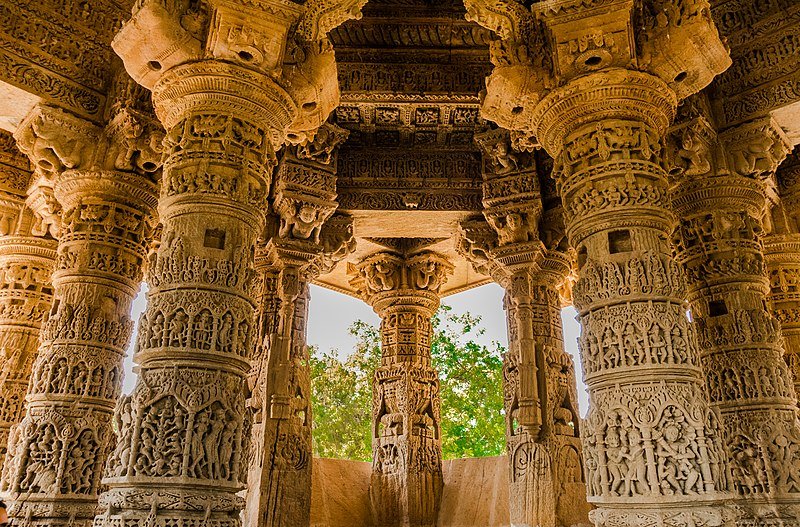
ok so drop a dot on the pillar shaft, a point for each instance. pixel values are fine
(26, 266)
(406, 483)
(302, 243)
(279, 483)
(782, 255)
(182, 429)
(649, 434)
(546, 467)
(546, 485)
(106, 207)
(720, 242)
(230, 91)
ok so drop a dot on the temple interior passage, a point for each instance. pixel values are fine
(634, 159)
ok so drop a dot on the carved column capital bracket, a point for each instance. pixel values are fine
(692, 148)
(56, 140)
(511, 195)
(755, 149)
(45, 207)
(277, 49)
(387, 279)
(559, 41)
(304, 195)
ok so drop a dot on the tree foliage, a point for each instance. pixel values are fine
(471, 391)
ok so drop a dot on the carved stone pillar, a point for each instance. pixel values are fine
(650, 433)
(406, 483)
(231, 83)
(181, 431)
(782, 255)
(308, 243)
(650, 441)
(720, 242)
(107, 205)
(545, 466)
(27, 256)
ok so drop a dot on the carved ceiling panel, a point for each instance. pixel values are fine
(764, 37)
(396, 179)
(410, 74)
(60, 51)
(15, 168)
(430, 123)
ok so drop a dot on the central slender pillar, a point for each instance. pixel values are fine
(406, 483)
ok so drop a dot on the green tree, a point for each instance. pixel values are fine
(471, 391)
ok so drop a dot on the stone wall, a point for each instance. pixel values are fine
(475, 493)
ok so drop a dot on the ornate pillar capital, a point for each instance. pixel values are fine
(386, 280)
(555, 43)
(270, 56)
(755, 149)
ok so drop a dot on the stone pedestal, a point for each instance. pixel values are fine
(406, 483)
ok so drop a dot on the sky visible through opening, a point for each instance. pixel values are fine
(332, 313)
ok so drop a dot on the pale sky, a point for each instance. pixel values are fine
(332, 313)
